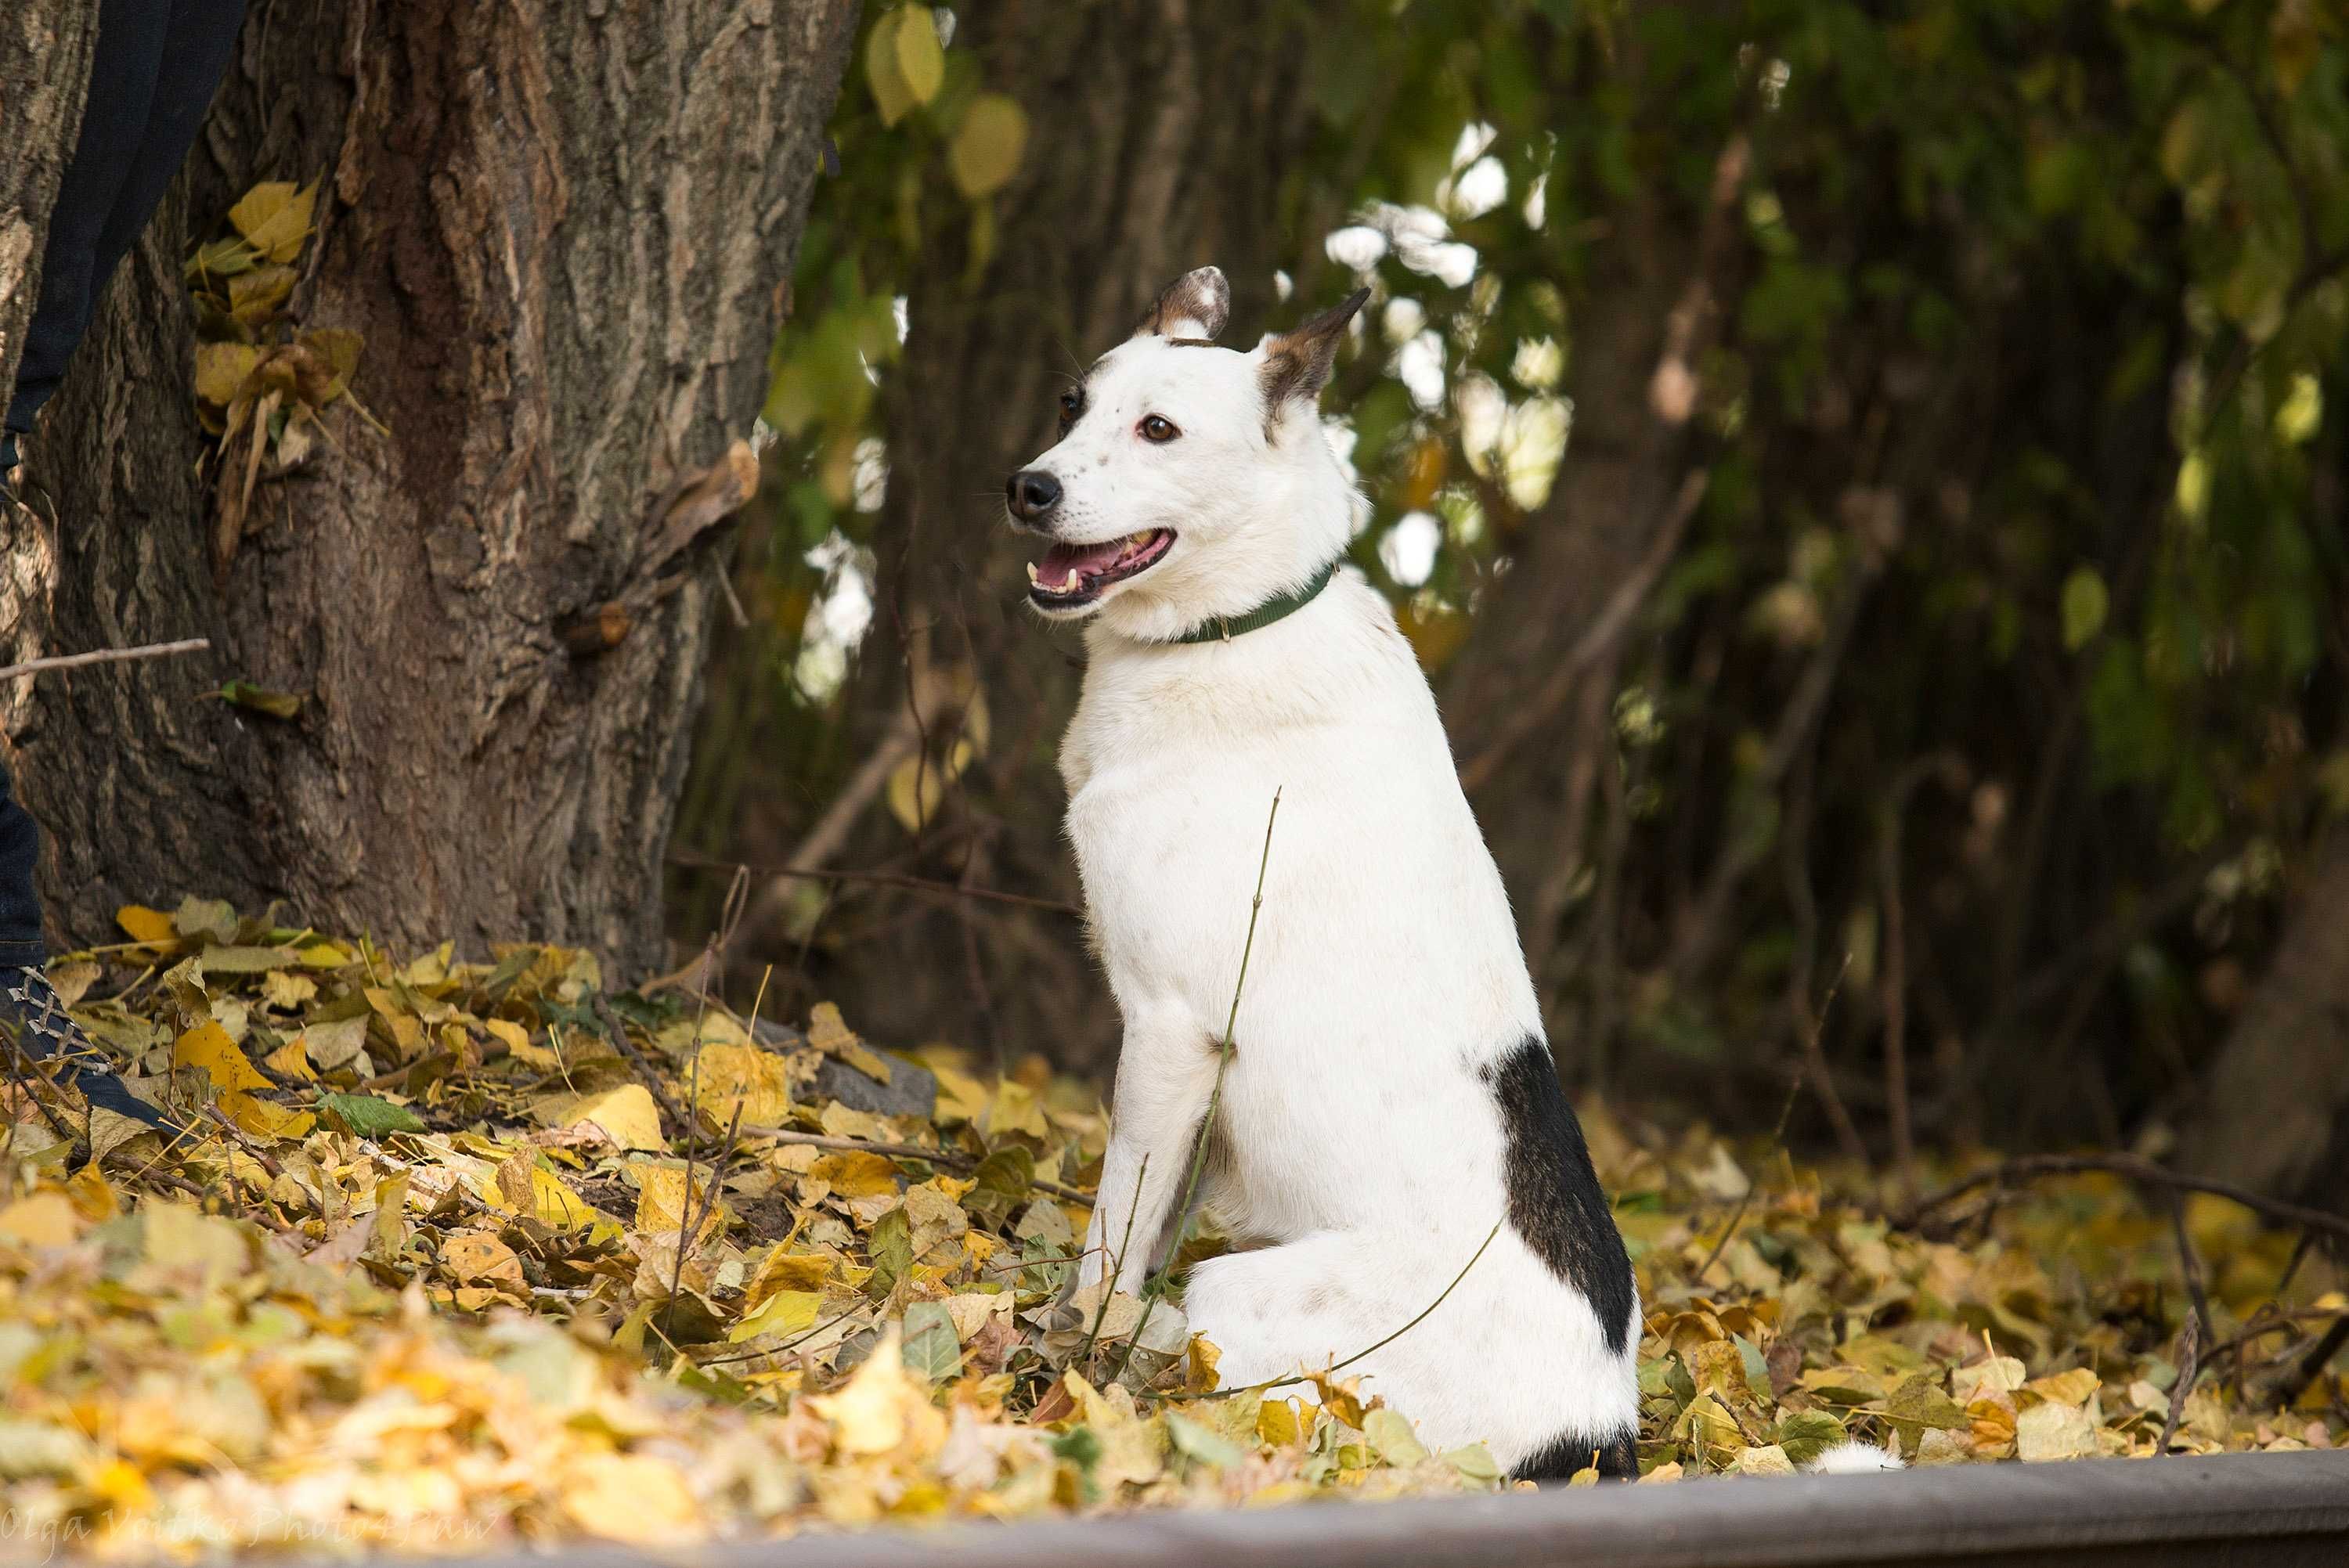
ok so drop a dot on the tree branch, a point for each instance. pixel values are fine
(1598, 640)
(2030, 1166)
(106, 657)
(877, 878)
(953, 1158)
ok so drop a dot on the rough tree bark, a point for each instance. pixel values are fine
(1163, 132)
(2276, 1113)
(45, 48)
(566, 232)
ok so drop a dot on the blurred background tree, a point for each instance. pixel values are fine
(1867, 486)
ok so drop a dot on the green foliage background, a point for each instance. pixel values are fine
(2021, 429)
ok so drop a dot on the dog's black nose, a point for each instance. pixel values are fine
(1032, 493)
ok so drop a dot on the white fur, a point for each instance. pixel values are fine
(1358, 1152)
(1854, 1458)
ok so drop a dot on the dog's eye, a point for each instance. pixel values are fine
(1157, 427)
(1073, 403)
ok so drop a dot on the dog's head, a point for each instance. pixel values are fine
(1190, 482)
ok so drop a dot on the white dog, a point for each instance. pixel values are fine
(1390, 1100)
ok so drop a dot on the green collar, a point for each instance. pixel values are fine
(1224, 628)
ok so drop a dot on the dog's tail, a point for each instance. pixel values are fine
(1854, 1458)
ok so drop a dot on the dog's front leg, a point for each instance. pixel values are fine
(1166, 1076)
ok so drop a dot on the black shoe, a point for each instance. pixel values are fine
(33, 1014)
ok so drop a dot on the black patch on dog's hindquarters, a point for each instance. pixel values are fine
(1555, 1203)
(1617, 1456)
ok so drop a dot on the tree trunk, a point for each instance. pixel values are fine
(566, 232)
(1529, 699)
(45, 48)
(2276, 1115)
(1163, 132)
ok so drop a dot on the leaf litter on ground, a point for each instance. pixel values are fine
(438, 1264)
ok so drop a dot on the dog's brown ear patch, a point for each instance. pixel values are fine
(1297, 362)
(1195, 305)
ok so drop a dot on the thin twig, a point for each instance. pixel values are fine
(951, 1158)
(1814, 1062)
(863, 787)
(2291, 1269)
(879, 878)
(1598, 640)
(2029, 1166)
(2190, 1264)
(1425, 1311)
(2285, 1393)
(1157, 1287)
(1894, 985)
(106, 657)
(1116, 1263)
(618, 1031)
(2283, 1323)
(2189, 1362)
(787, 1347)
(1794, 1092)
(691, 1134)
(1336, 1367)
(24, 1068)
(689, 1235)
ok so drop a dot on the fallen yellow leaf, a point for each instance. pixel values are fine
(756, 1081)
(626, 1115)
(634, 1497)
(148, 925)
(42, 1219)
(880, 1408)
(265, 1119)
(207, 1045)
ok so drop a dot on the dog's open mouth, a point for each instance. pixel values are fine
(1076, 573)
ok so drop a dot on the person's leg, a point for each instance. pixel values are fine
(31, 1014)
(158, 65)
(20, 911)
(198, 41)
(122, 78)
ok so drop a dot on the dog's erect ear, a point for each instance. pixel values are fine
(1195, 305)
(1297, 362)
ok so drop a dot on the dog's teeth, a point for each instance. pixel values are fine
(1032, 578)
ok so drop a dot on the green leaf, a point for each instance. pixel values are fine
(1391, 1437)
(1919, 1403)
(930, 1348)
(1756, 1370)
(986, 147)
(1806, 1434)
(919, 59)
(1078, 1446)
(275, 703)
(1475, 1461)
(2085, 604)
(1003, 1181)
(365, 1116)
(903, 62)
(220, 259)
(274, 218)
(1203, 1444)
(212, 917)
(891, 1243)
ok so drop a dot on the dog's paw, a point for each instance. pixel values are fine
(1854, 1458)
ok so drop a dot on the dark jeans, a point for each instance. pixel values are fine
(20, 912)
(157, 67)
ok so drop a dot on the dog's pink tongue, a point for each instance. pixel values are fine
(1062, 562)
